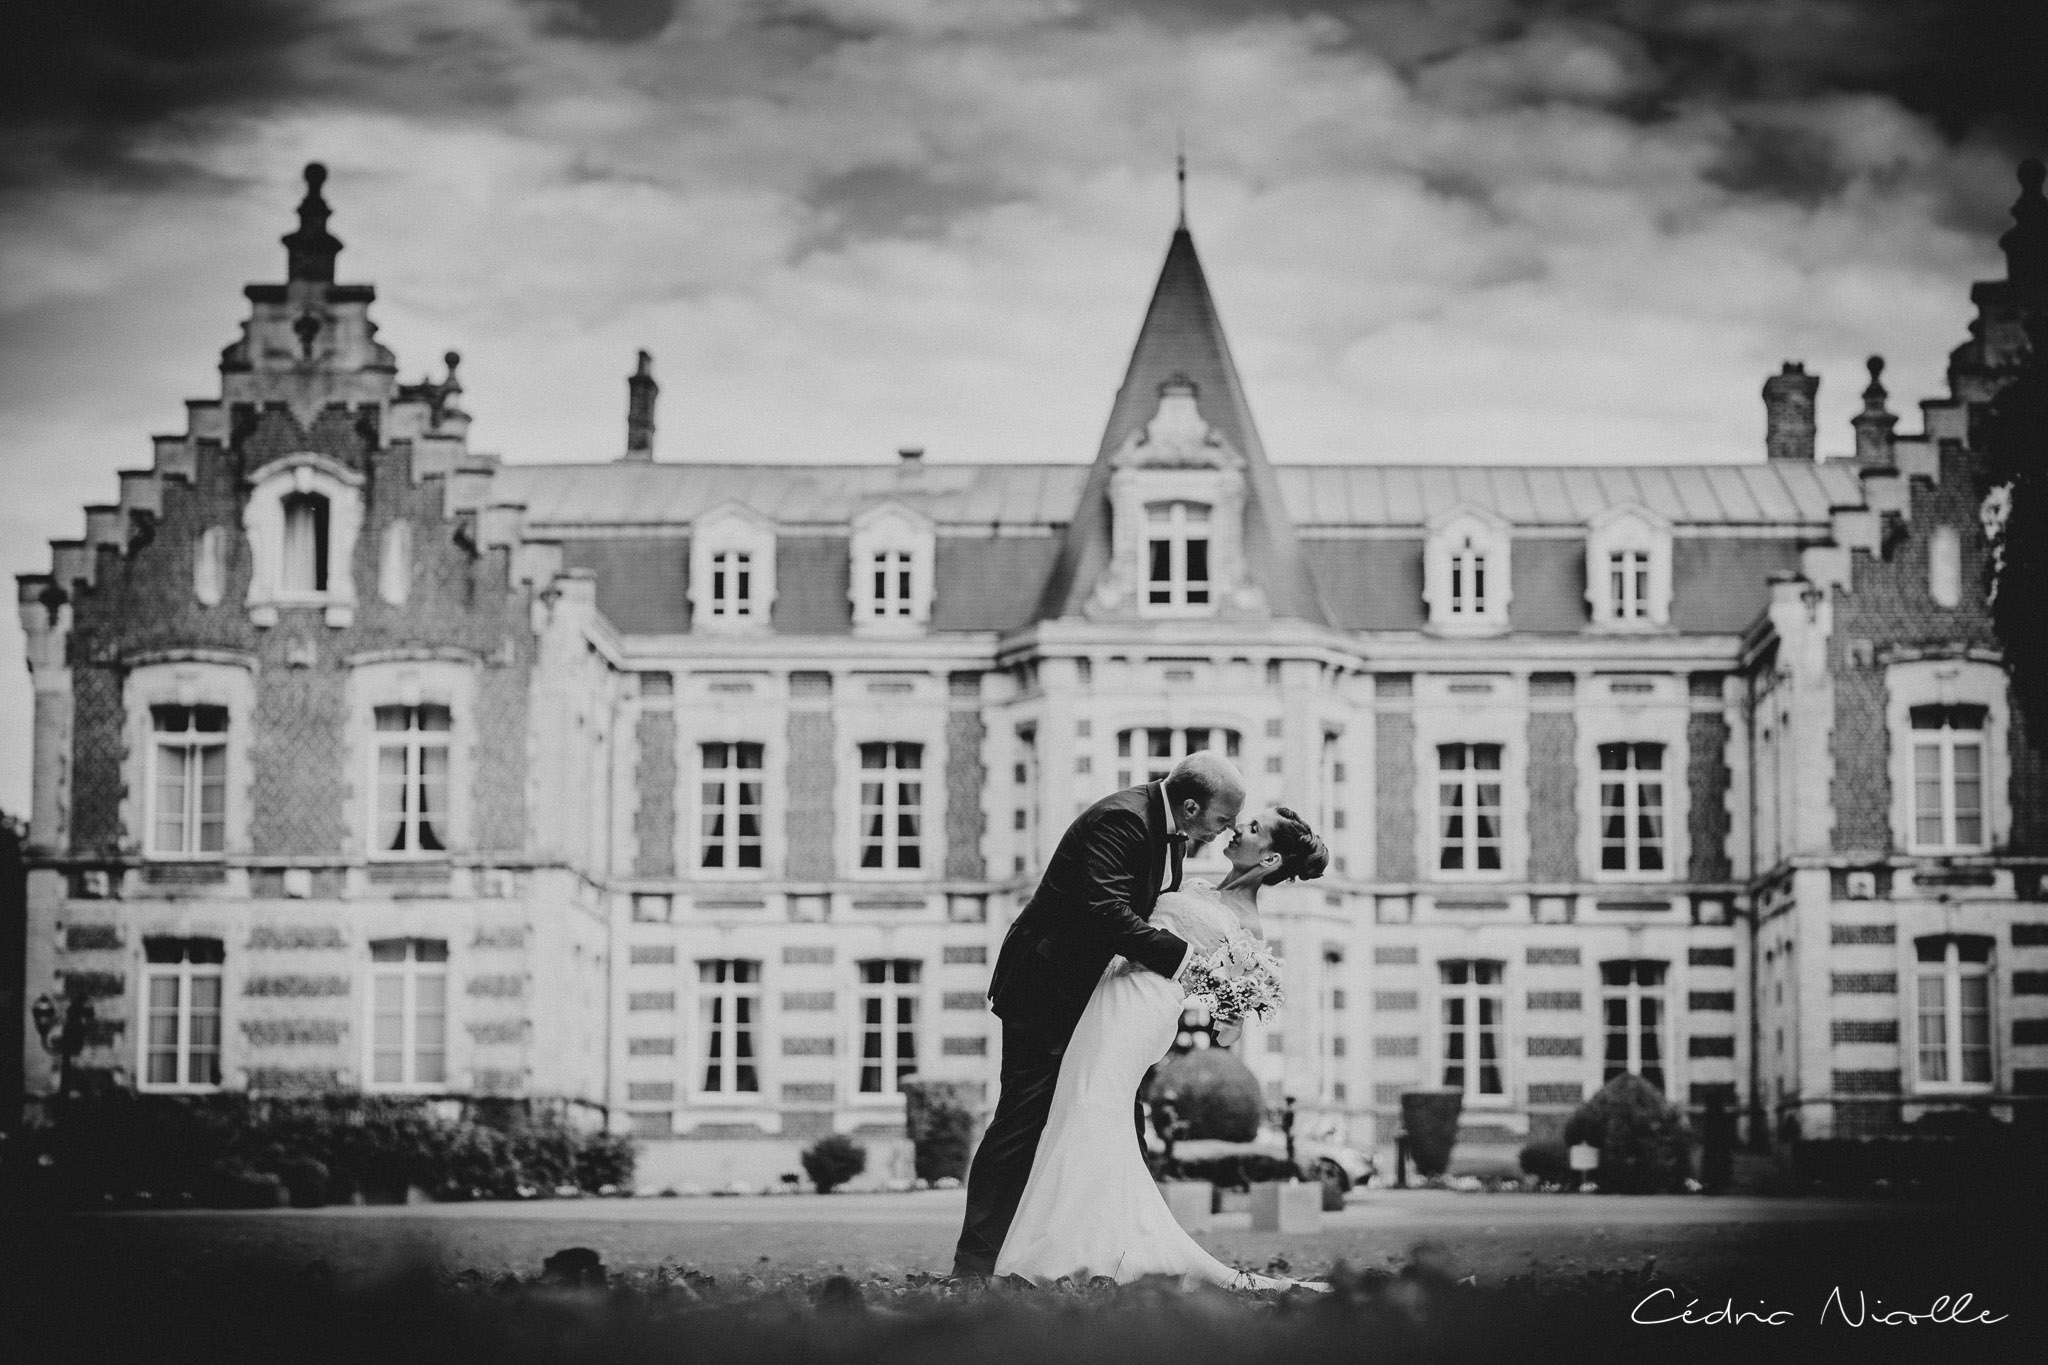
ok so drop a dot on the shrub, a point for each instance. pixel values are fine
(1549, 1161)
(1644, 1147)
(941, 1125)
(229, 1186)
(1213, 1092)
(1430, 1118)
(833, 1160)
(305, 1180)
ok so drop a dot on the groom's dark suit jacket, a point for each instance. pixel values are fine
(1093, 904)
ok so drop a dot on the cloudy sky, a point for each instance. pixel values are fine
(1439, 230)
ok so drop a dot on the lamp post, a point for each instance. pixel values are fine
(63, 1036)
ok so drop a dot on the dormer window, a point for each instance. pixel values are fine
(891, 578)
(1467, 597)
(304, 566)
(1628, 569)
(732, 584)
(1177, 554)
(1465, 573)
(891, 595)
(303, 513)
(732, 570)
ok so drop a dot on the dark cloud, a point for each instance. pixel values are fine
(885, 199)
(619, 21)
(1779, 162)
(81, 78)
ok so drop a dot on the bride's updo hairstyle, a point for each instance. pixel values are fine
(1303, 856)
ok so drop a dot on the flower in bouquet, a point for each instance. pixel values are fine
(1240, 977)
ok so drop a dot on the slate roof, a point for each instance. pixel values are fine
(565, 498)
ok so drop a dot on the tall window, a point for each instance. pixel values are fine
(732, 583)
(412, 778)
(409, 1019)
(1632, 807)
(1149, 755)
(181, 991)
(891, 805)
(190, 784)
(304, 568)
(888, 1023)
(1177, 554)
(1952, 1008)
(1468, 807)
(1632, 1004)
(1628, 585)
(1468, 578)
(1473, 1008)
(728, 1011)
(892, 583)
(730, 806)
(1948, 778)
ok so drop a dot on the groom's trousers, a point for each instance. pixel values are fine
(1029, 1073)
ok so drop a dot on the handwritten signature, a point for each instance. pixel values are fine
(1657, 1309)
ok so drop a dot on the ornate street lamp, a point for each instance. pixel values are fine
(63, 1037)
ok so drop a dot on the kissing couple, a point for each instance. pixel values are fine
(1090, 985)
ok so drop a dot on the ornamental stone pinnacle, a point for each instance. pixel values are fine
(311, 249)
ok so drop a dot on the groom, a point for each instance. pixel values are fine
(1093, 904)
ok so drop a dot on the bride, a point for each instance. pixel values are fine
(1090, 1208)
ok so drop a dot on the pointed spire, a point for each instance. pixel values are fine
(2026, 242)
(310, 251)
(1874, 424)
(1180, 176)
(1182, 356)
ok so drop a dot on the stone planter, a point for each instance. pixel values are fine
(1191, 1202)
(1287, 1206)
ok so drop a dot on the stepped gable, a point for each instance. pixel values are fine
(1181, 343)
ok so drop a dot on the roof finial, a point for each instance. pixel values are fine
(1180, 174)
(310, 251)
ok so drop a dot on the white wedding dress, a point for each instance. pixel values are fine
(1090, 1208)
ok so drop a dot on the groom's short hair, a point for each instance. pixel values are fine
(1200, 778)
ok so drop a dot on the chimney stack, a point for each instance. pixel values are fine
(641, 391)
(1788, 413)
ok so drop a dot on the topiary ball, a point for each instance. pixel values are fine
(1213, 1091)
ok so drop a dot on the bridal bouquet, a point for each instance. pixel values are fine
(1239, 978)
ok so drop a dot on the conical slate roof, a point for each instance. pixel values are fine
(1182, 337)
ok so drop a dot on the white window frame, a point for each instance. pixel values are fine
(1950, 973)
(196, 746)
(1471, 788)
(190, 678)
(1633, 782)
(1123, 589)
(1177, 525)
(1949, 682)
(411, 682)
(729, 810)
(183, 975)
(418, 967)
(414, 745)
(1470, 995)
(302, 474)
(1629, 529)
(1134, 769)
(729, 530)
(904, 542)
(1631, 996)
(723, 998)
(889, 996)
(1946, 745)
(1659, 716)
(892, 808)
(1463, 544)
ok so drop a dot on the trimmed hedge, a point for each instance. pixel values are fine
(1213, 1092)
(1430, 1119)
(327, 1149)
(833, 1160)
(941, 1126)
(1644, 1146)
(1548, 1161)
